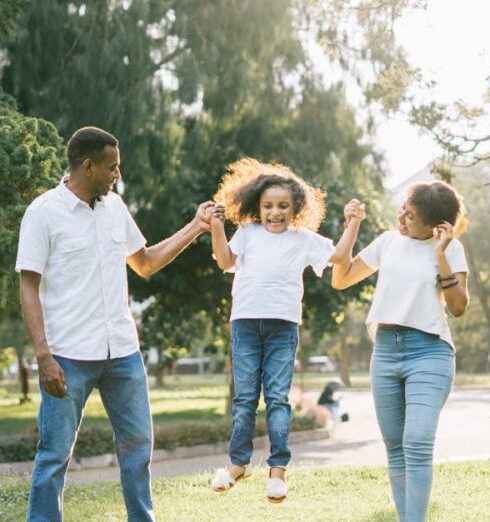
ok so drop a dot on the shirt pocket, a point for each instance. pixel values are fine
(74, 255)
(118, 243)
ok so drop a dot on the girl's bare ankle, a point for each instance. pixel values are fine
(236, 470)
(277, 472)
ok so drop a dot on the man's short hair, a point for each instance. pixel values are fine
(88, 142)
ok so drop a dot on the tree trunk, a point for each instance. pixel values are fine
(345, 363)
(23, 375)
(159, 373)
(481, 291)
(200, 361)
(231, 387)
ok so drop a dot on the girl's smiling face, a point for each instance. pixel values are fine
(410, 223)
(276, 208)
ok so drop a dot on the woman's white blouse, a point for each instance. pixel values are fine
(407, 292)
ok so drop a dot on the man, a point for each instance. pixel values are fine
(75, 241)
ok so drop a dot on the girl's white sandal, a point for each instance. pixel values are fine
(276, 490)
(222, 480)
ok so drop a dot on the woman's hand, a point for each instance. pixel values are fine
(443, 235)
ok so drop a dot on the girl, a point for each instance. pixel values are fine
(278, 214)
(422, 269)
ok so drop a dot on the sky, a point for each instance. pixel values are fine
(450, 43)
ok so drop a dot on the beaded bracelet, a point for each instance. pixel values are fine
(449, 285)
(441, 278)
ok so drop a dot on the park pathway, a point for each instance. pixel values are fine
(464, 434)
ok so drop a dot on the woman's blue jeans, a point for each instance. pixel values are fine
(123, 389)
(263, 353)
(411, 375)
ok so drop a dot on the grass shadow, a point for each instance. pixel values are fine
(209, 414)
(384, 515)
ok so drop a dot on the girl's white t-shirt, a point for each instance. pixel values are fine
(268, 282)
(407, 292)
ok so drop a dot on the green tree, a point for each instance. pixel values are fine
(13, 339)
(7, 356)
(361, 39)
(31, 161)
(9, 11)
(189, 87)
(248, 106)
(472, 331)
(93, 52)
(173, 337)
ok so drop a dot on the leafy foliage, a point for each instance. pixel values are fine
(9, 11)
(31, 161)
(471, 332)
(189, 87)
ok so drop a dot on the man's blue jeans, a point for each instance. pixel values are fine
(411, 375)
(263, 355)
(123, 389)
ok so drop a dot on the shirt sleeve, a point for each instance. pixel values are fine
(320, 250)
(371, 254)
(456, 257)
(135, 240)
(237, 242)
(237, 246)
(33, 248)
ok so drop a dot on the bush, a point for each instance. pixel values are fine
(18, 448)
(32, 160)
(99, 440)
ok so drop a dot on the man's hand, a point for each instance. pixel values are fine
(203, 215)
(51, 376)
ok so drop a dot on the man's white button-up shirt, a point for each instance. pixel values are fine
(81, 255)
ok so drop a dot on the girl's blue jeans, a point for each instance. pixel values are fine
(263, 352)
(123, 389)
(411, 375)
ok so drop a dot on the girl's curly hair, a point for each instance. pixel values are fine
(246, 180)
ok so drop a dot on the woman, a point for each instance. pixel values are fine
(422, 271)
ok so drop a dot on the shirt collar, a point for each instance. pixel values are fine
(70, 199)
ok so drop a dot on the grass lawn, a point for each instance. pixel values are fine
(167, 405)
(184, 398)
(460, 493)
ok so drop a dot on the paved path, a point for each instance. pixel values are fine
(464, 434)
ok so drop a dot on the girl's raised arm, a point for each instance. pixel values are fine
(224, 256)
(353, 213)
(346, 271)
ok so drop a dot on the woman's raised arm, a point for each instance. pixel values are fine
(349, 273)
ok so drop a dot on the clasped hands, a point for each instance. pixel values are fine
(354, 211)
(208, 211)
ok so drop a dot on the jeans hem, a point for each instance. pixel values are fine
(240, 463)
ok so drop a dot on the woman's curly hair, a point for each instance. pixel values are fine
(246, 180)
(437, 201)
